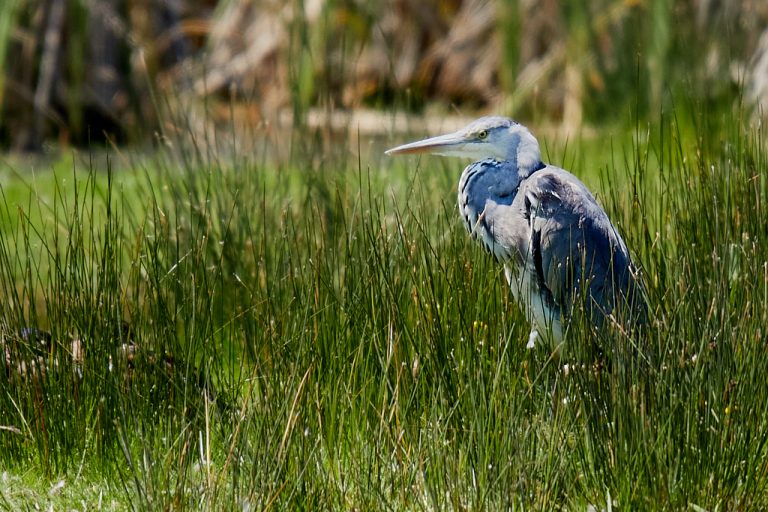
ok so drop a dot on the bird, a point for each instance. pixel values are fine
(560, 251)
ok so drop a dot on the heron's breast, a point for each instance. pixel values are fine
(487, 190)
(483, 225)
(522, 284)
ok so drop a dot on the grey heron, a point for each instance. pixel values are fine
(558, 246)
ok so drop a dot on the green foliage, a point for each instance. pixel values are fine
(322, 334)
(7, 19)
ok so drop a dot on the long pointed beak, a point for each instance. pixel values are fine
(437, 145)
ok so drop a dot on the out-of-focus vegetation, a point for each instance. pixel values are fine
(77, 70)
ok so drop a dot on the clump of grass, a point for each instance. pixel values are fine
(320, 335)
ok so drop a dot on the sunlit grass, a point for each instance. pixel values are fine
(322, 334)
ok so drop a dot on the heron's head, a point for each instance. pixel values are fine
(488, 137)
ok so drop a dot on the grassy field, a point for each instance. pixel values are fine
(322, 334)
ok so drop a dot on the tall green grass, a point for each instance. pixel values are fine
(322, 334)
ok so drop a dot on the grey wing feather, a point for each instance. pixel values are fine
(576, 250)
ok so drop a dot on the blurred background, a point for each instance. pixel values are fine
(79, 72)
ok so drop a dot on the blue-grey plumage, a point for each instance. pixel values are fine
(557, 244)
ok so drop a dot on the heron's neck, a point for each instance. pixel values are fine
(528, 169)
(526, 155)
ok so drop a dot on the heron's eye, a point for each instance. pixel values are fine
(482, 134)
